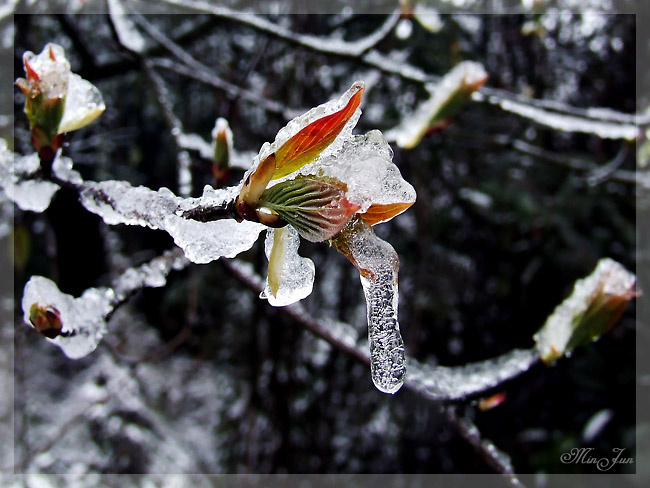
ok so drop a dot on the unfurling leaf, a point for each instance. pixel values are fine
(309, 142)
(593, 308)
(315, 206)
(222, 140)
(448, 97)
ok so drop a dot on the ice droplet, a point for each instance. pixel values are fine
(378, 264)
(291, 275)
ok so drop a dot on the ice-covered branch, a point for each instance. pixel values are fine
(117, 202)
(77, 325)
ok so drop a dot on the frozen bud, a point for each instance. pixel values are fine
(593, 308)
(315, 206)
(46, 320)
(56, 100)
(222, 140)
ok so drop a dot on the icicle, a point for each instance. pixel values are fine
(378, 265)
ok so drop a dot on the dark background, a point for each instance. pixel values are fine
(475, 282)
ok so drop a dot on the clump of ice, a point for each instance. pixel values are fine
(32, 195)
(601, 293)
(455, 383)
(117, 202)
(294, 273)
(365, 164)
(83, 319)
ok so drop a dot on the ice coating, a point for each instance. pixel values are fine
(83, 104)
(302, 121)
(82, 319)
(378, 264)
(33, 195)
(117, 202)
(455, 383)
(151, 275)
(293, 273)
(603, 292)
(463, 79)
(52, 69)
(365, 164)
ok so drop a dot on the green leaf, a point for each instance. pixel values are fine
(315, 206)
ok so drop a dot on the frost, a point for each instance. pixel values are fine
(570, 123)
(62, 168)
(82, 318)
(118, 202)
(195, 142)
(290, 277)
(365, 164)
(378, 265)
(592, 308)
(428, 17)
(448, 96)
